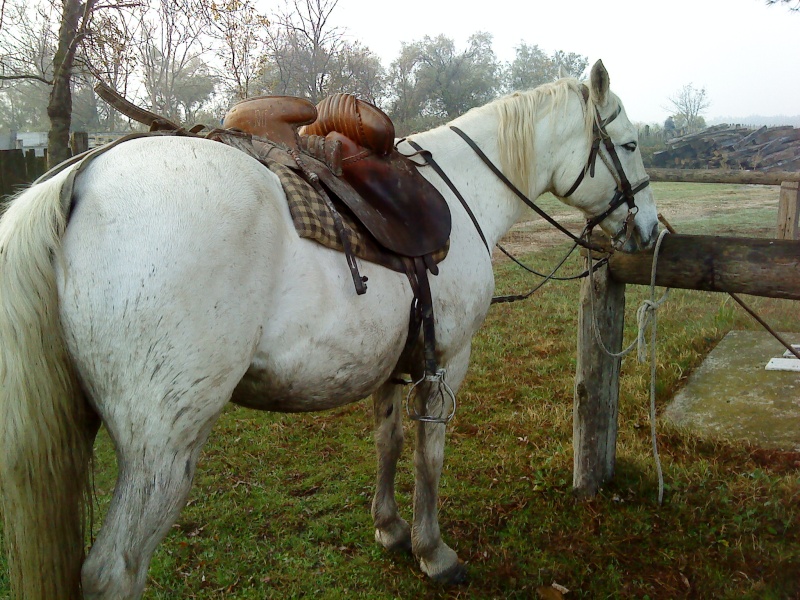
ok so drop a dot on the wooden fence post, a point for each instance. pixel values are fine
(594, 426)
(789, 211)
(78, 142)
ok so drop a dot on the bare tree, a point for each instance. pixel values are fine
(795, 4)
(109, 55)
(302, 46)
(241, 33)
(41, 41)
(171, 51)
(689, 103)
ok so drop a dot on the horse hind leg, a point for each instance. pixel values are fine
(391, 531)
(156, 468)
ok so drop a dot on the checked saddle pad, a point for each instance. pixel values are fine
(313, 220)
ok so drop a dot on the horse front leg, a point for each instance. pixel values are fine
(391, 531)
(437, 559)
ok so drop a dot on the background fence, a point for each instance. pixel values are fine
(18, 168)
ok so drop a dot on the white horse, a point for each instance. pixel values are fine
(174, 282)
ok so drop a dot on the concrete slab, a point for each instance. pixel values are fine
(732, 395)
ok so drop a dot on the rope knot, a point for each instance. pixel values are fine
(646, 318)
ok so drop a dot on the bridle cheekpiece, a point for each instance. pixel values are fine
(625, 192)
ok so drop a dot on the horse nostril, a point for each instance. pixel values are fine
(654, 231)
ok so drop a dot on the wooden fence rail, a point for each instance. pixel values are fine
(760, 267)
(723, 176)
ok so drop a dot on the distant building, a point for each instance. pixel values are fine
(8, 141)
(37, 140)
(32, 140)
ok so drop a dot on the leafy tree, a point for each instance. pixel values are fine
(569, 64)
(23, 106)
(533, 67)
(356, 70)
(85, 107)
(530, 68)
(689, 103)
(403, 102)
(434, 81)
(449, 82)
(795, 3)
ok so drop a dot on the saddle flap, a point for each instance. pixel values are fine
(403, 210)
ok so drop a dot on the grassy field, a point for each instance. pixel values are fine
(280, 506)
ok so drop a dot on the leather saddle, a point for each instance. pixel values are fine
(400, 208)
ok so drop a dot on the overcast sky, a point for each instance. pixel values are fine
(745, 54)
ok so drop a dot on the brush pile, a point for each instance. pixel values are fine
(733, 147)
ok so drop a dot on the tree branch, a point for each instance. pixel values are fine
(26, 76)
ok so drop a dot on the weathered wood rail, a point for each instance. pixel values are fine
(722, 176)
(760, 267)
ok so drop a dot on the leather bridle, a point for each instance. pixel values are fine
(625, 192)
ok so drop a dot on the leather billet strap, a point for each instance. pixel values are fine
(424, 303)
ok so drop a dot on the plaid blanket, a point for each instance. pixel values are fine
(313, 220)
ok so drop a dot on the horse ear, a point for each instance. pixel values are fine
(600, 83)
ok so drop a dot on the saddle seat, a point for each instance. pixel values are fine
(402, 210)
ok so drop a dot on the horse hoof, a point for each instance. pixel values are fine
(443, 566)
(455, 575)
(396, 538)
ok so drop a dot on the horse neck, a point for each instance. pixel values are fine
(495, 206)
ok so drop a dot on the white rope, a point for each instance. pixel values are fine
(645, 317)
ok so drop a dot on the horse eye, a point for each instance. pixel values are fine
(630, 146)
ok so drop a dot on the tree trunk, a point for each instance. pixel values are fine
(59, 109)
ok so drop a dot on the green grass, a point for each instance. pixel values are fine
(280, 506)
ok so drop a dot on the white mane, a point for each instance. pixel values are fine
(518, 114)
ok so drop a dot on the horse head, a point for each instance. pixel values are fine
(614, 195)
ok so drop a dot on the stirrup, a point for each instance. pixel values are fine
(443, 391)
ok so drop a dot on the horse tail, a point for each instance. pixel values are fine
(46, 432)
